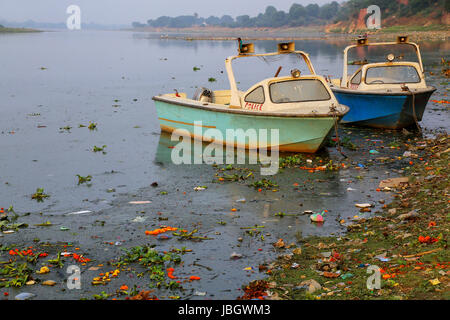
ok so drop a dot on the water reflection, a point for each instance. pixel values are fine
(166, 149)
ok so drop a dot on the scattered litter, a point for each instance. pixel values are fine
(383, 259)
(163, 237)
(317, 217)
(44, 270)
(435, 281)
(363, 205)
(78, 212)
(50, 283)
(24, 296)
(279, 244)
(160, 230)
(393, 182)
(199, 293)
(139, 219)
(235, 256)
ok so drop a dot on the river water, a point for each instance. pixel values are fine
(54, 80)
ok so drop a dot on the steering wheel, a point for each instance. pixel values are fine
(376, 81)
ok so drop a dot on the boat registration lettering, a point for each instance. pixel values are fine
(253, 106)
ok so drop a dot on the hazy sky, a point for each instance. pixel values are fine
(127, 11)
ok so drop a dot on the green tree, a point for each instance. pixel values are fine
(313, 10)
(243, 21)
(329, 11)
(226, 21)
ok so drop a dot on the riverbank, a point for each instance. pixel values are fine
(18, 30)
(407, 243)
(297, 33)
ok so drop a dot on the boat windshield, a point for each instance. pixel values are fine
(392, 75)
(362, 55)
(301, 90)
(249, 69)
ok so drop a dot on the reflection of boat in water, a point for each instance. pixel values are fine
(390, 94)
(302, 108)
(166, 146)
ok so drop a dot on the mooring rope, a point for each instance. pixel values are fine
(406, 88)
(333, 110)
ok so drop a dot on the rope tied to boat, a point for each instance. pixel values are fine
(406, 88)
(334, 112)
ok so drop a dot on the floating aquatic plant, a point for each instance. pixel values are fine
(82, 179)
(39, 195)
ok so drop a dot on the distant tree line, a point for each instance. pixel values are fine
(299, 15)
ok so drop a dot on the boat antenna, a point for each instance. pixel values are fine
(278, 71)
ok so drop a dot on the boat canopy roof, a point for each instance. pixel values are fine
(365, 52)
(247, 51)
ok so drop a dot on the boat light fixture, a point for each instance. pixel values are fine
(247, 48)
(286, 47)
(402, 39)
(362, 41)
(295, 73)
(390, 57)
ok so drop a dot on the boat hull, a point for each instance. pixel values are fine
(296, 134)
(383, 110)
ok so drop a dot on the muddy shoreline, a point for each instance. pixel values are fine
(407, 243)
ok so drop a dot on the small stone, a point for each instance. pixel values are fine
(310, 285)
(235, 255)
(409, 215)
(392, 211)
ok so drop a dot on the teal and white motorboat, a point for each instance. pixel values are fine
(301, 107)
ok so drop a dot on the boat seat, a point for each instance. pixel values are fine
(204, 95)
